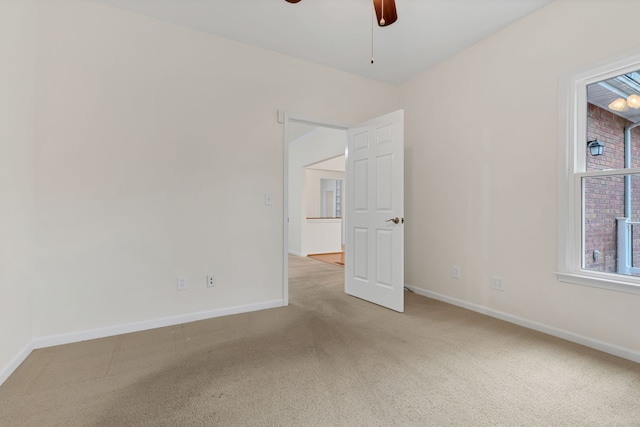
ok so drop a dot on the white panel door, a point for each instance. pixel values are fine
(374, 259)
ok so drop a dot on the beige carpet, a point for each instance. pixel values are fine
(326, 360)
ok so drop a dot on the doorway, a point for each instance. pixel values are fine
(374, 212)
(309, 142)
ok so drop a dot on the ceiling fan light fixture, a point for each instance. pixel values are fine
(619, 104)
(633, 101)
(385, 12)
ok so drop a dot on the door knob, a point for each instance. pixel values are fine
(395, 220)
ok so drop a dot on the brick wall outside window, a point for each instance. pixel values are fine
(604, 197)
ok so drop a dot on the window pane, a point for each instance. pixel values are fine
(613, 105)
(611, 240)
(603, 203)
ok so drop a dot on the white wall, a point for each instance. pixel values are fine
(320, 144)
(157, 146)
(322, 236)
(319, 235)
(153, 146)
(17, 114)
(481, 175)
(313, 189)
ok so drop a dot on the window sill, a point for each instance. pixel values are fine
(610, 282)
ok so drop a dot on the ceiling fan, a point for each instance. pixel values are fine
(385, 11)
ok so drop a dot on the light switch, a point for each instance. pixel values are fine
(268, 200)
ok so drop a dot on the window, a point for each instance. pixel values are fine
(599, 178)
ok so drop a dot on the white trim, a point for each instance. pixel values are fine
(13, 364)
(315, 121)
(572, 140)
(297, 118)
(285, 210)
(323, 220)
(601, 280)
(300, 254)
(607, 172)
(90, 334)
(606, 347)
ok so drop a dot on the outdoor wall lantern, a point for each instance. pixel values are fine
(595, 147)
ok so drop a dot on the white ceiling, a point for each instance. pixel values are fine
(337, 33)
(337, 164)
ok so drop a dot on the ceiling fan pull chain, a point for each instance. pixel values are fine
(373, 12)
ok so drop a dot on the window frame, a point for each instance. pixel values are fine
(572, 169)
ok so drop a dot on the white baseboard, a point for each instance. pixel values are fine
(91, 334)
(17, 360)
(300, 254)
(616, 350)
(53, 340)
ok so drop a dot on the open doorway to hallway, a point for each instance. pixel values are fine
(315, 156)
(316, 196)
(323, 226)
(374, 213)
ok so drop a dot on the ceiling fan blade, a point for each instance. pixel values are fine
(385, 12)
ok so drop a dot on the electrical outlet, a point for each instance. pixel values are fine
(211, 281)
(497, 283)
(457, 272)
(182, 283)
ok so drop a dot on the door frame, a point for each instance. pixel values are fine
(309, 120)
